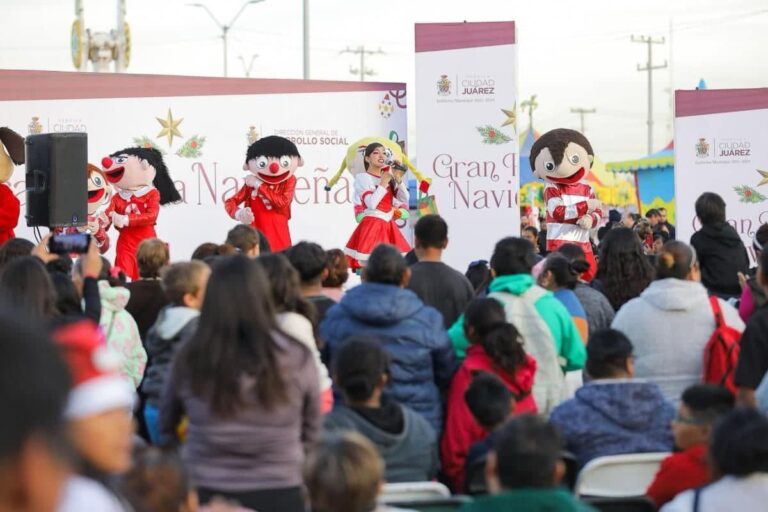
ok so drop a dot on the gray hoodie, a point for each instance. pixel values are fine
(669, 325)
(174, 326)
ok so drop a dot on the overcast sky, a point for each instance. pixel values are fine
(572, 53)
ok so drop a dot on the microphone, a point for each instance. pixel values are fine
(400, 167)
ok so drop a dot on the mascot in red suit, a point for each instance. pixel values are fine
(268, 191)
(99, 200)
(143, 185)
(563, 158)
(9, 203)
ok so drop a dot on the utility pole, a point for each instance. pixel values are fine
(362, 70)
(582, 112)
(225, 28)
(531, 104)
(306, 40)
(649, 67)
(247, 69)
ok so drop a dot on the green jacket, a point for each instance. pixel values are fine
(568, 341)
(528, 500)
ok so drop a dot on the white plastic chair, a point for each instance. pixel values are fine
(619, 475)
(393, 494)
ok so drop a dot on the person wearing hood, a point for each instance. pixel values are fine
(496, 348)
(184, 286)
(671, 322)
(410, 332)
(613, 413)
(546, 327)
(404, 439)
(721, 252)
(118, 326)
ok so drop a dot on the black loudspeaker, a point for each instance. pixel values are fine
(57, 179)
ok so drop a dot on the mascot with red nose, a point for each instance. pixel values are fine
(563, 158)
(268, 191)
(143, 184)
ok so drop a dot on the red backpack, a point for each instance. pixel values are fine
(721, 354)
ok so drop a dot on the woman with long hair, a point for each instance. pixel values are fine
(296, 316)
(250, 394)
(623, 270)
(599, 311)
(496, 347)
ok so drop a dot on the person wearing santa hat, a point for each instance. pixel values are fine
(98, 413)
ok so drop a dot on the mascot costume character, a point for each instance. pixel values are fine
(9, 203)
(268, 191)
(99, 199)
(143, 185)
(563, 158)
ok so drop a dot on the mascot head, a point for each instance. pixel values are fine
(11, 152)
(99, 190)
(131, 169)
(561, 156)
(272, 159)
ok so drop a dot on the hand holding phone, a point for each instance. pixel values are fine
(70, 243)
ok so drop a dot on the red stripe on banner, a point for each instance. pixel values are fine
(434, 37)
(39, 85)
(696, 103)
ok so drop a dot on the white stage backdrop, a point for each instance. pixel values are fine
(466, 104)
(721, 146)
(214, 118)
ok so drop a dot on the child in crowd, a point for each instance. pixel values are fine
(613, 414)
(245, 239)
(338, 273)
(599, 311)
(99, 417)
(701, 407)
(496, 348)
(479, 274)
(184, 286)
(560, 276)
(344, 474)
(403, 438)
(147, 296)
(208, 251)
(309, 260)
(491, 403)
(119, 327)
(296, 317)
(524, 471)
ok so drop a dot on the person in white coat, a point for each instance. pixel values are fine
(671, 321)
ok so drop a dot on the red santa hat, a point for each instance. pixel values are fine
(96, 384)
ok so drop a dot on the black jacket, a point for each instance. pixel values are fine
(721, 256)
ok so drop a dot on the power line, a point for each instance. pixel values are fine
(362, 52)
(582, 112)
(649, 67)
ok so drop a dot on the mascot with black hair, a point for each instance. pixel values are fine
(9, 203)
(143, 185)
(563, 158)
(264, 202)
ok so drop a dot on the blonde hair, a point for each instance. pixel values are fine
(343, 474)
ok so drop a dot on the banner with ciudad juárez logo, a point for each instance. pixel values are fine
(203, 126)
(466, 131)
(721, 146)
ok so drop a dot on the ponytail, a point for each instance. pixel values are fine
(503, 344)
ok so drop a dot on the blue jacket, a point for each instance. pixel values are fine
(410, 332)
(611, 417)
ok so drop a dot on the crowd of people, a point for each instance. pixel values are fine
(246, 379)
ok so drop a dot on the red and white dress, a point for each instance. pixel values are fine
(271, 207)
(9, 212)
(378, 226)
(566, 204)
(142, 207)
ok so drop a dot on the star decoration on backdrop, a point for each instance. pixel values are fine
(170, 127)
(764, 174)
(511, 116)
